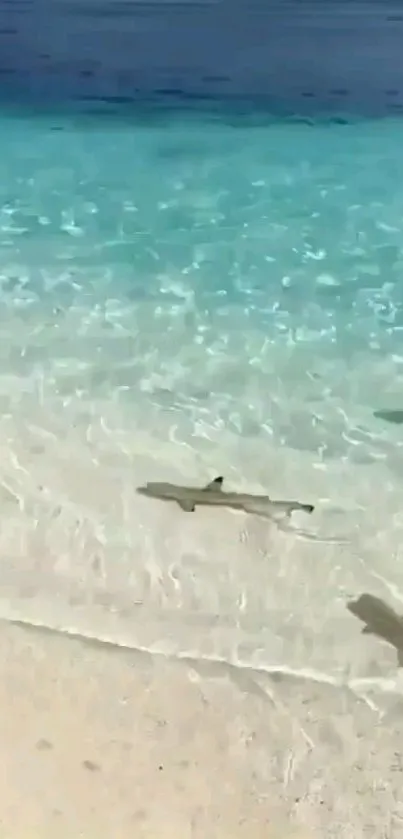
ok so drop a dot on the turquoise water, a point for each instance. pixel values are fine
(211, 248)
(188, 296)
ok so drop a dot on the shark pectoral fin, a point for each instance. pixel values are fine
(216, 484)
(187, 506)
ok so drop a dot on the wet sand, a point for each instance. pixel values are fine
(99, 741)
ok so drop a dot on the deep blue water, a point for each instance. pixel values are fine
(300, 56)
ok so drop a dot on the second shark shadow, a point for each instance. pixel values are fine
(380, 619)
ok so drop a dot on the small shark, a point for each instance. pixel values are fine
(380, 619)
(213, 495)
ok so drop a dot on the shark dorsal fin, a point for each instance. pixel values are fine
(216, 484)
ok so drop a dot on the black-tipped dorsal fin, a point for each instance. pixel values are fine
(216, 484)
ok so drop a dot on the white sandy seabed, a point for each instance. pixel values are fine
(246, 701)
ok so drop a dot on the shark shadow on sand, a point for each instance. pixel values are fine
(380, 619)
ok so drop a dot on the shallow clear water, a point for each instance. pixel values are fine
(185, 297)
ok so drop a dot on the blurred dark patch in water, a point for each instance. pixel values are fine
(394, 416)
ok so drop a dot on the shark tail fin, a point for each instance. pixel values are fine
(216, 484)
(290, 506)
(307, 508)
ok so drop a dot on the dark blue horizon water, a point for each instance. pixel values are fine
(298, 57)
